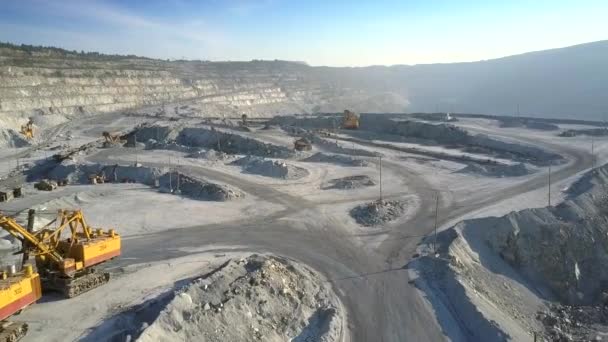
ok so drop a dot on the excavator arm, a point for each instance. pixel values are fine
(15, 229)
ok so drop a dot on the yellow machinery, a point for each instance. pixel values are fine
(351, 120)
(17, 290)
(28, 129)
(66, 264)
(112, 138)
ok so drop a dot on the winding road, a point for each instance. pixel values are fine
(372, 283)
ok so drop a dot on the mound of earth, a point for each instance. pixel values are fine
(261, 298)
(210, 154)
(350, 182)
(496, 273)
(497, 170)
(191, 139)
(336, 159)
(378, 212)
(11, 138)
(198, 188)
(270, 168)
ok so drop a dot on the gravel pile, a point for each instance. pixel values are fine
(574, 323)
(260, 298)
(176, 182)
(336, 159)
(230, 143)
(351, 182)
(378, 212)
(270, 168)
(210, 154)
(497, 170)
(11, 138)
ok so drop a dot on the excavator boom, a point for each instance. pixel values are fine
(66, 264)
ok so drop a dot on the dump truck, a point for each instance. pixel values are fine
(18, 289)
(28, 129)
(112, 139)
(46, 185)
(302, 144)
(67, 264)
(351, 120)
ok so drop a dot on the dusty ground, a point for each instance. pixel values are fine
(297, 217)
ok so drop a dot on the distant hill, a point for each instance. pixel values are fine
(568, 82)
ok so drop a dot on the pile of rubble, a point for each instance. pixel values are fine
(270, 168)
(336, 159)
(497, 170)
(175, 182)
(260, 298)
(350, 182)
(574, 323)
(11, 138)
(378, 212)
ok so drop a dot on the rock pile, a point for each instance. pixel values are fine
(378, 212)
(336, 159)
(351, 182)
(574, 323)
(497, 170)
(270, 168)
(255, 299)
(176, 182)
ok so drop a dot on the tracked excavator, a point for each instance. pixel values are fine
(28, 129)
(65, 262)
(112, 138)
(351, 120)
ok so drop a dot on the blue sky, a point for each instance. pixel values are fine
(336, 33)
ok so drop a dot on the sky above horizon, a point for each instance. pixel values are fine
(334, 33)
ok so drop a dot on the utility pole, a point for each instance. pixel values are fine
(170, 176)
(592, 154)
(436, 215)
(31, 216)
(549, 196)
(380, 157)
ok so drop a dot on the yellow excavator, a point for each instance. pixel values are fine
(351, 120)
(28, 129)
(112, 138)
(18, 289)
(65, 264)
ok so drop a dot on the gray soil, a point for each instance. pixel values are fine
(270, 168)
(336, 159)
(195, 188)
(555, 255)
(497, 170)
(11, 138)
(193, 139)
(350, 182)
(378, 212)
(260, 298)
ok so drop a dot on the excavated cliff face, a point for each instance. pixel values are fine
(41, 83)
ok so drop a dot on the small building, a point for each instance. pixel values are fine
(6, 195)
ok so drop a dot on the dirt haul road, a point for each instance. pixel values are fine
(373, 284)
